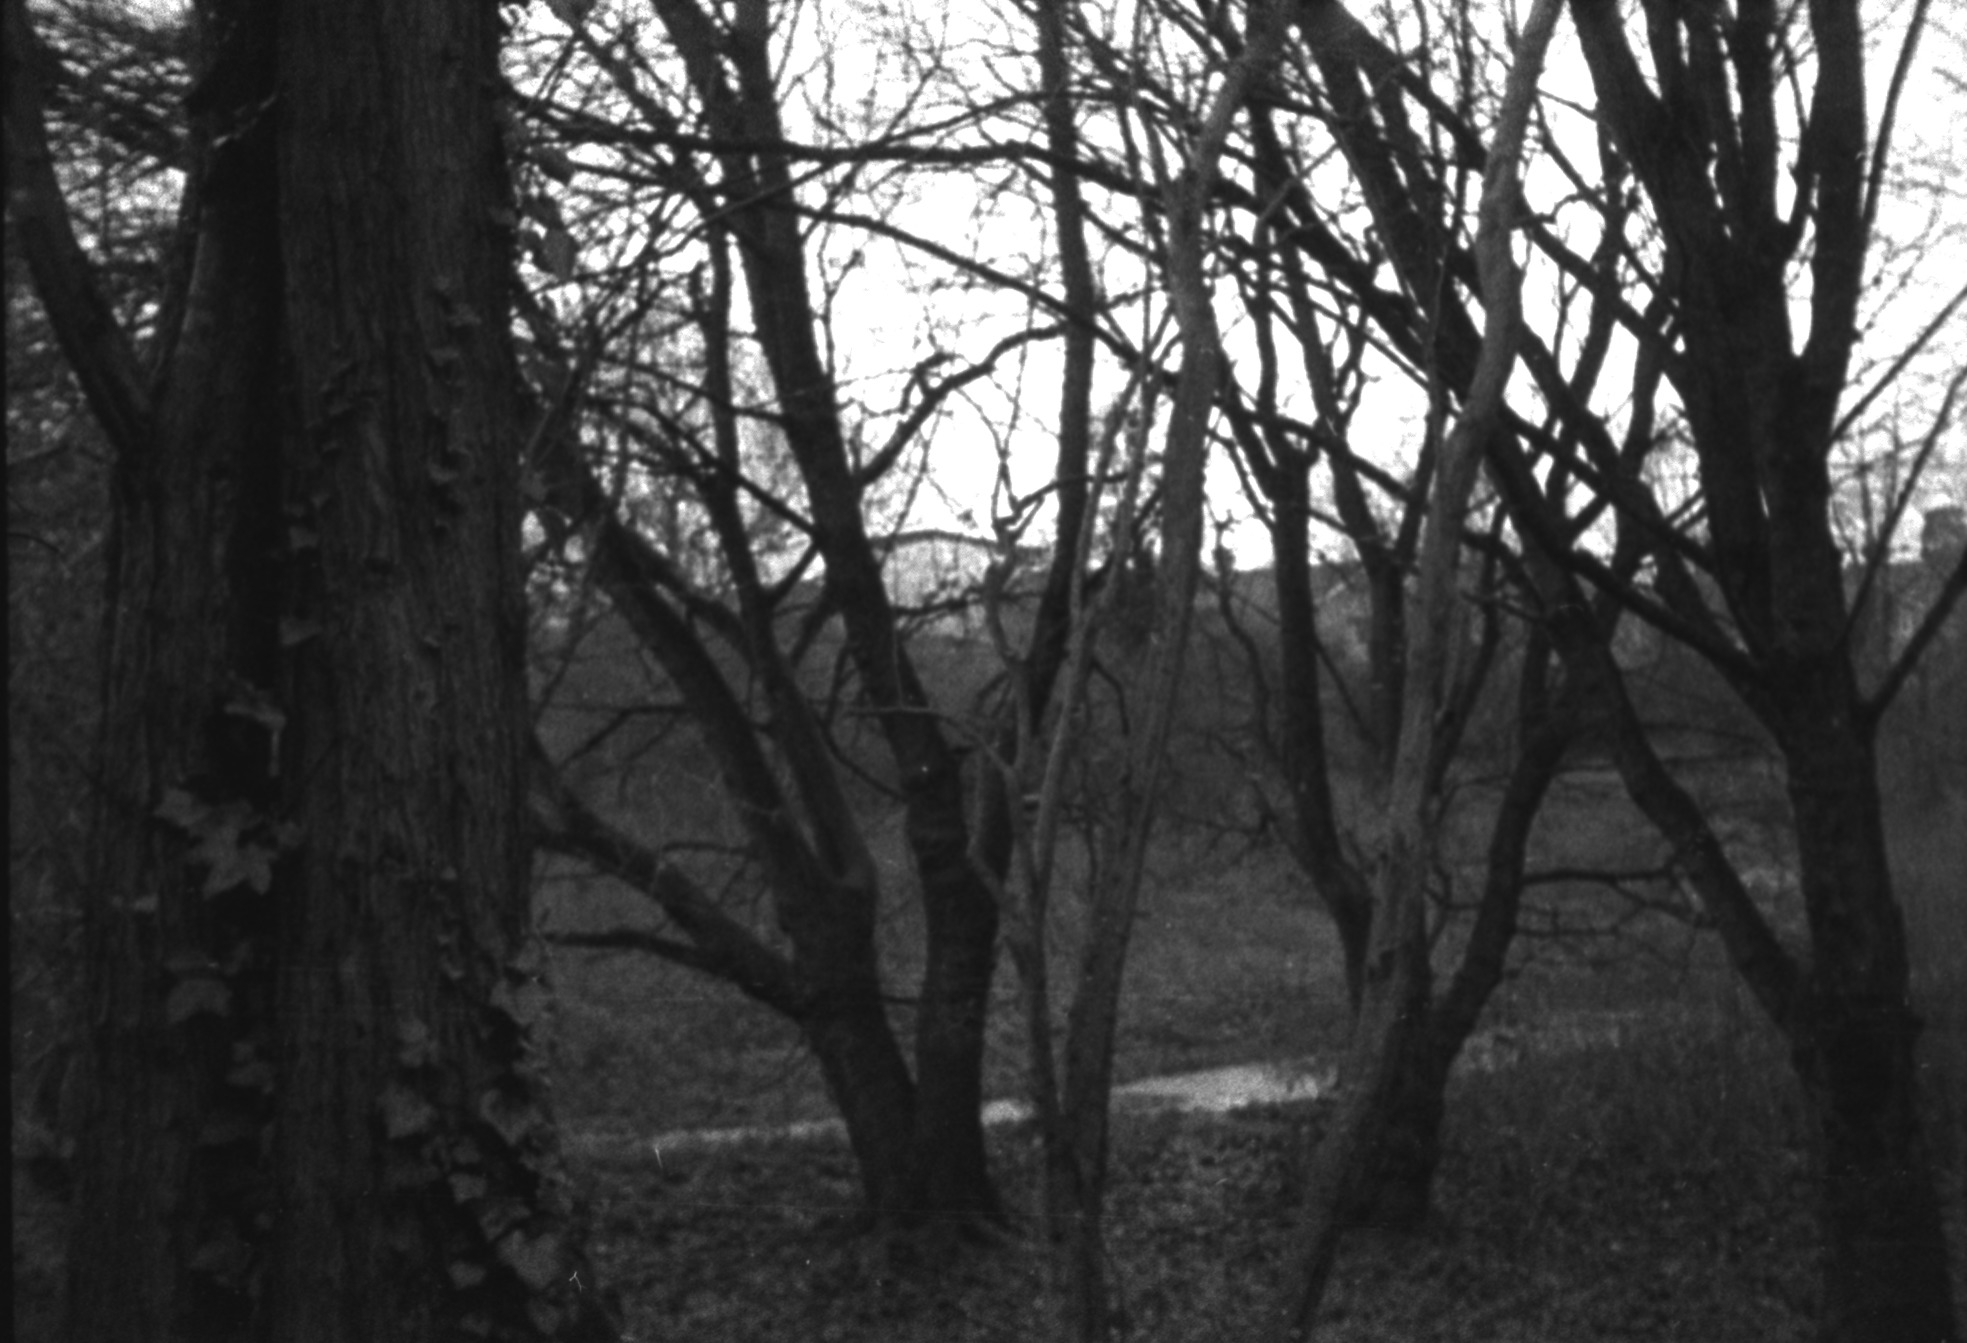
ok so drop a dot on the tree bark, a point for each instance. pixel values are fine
(1397, 1188)
(311, 1107)
(1077, 1136)
(1763, 413)
(1852, 1039)
(731, 69)
(1396, 979)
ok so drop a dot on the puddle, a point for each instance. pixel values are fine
(1213, 1090)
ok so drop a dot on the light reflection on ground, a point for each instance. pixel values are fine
(1213, 1090)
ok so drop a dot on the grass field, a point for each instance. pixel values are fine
(1656, 1188)
(1659, 1187)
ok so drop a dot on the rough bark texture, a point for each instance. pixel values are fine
(1077, 1136)
(919, 1139)
(778, 768)
(311, 1110)
(1700, 135)
(1396, 978)
(951, 1170)
(1763, 413)
(821, 881)
(1394, 1185)
(1396, 1189)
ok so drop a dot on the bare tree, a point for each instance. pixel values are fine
(705, 116)
(1073, 1101)
(1758, 587)
(1395, 978)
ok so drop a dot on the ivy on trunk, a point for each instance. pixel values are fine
(310, 1107)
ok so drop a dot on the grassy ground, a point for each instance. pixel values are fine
(1657, 1190)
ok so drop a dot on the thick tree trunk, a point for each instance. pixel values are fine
(1393, 1182)
(952, 1170)
(1399, 1187)
(1765, 419)
(312, 1109)
(1082, 1133)
(960, 913)
(1852, 1036)
(186, 615)
(1394, 1005)
(830, 984)
(1307, 765)
(1885, 1266)
(870, 1086)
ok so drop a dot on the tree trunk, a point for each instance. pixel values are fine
(1885, 1266)
(1081, 1137)
(952, 1170)
(1399, 1188)
(1852, 1037)
(830, 984)
(960, 913)
(870, 1086)
(1396, 988)
(312, 1110)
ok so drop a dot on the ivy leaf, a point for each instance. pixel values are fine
(202, 996)
(570, 12)
(238, 865)
(512, 1119)
(536, 1259)
(256, 706)
(525, 1003)
(404, 1112)
(251, 1074)
(226, 1130)
(183, 810)
(555, 163)
(496, 1216)
(557, 254)
(417, 1047)
(226, 1257)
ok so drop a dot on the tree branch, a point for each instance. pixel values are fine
(719, 945)
(95, 344)
(1929, 628)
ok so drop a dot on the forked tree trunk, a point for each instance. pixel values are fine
(1076, 1135)
(952, 1169)
(1396, 990)
(312, 1111)
(869, 1084)
(732, 69)
(1398, 1186)
(1765, 413)
(1852, 1033)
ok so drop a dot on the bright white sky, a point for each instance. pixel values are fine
(881, 323)
(880, 327)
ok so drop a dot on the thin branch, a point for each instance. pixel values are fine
(1942, 321)
(1881, 152)
(1929, 628)
(1881, 545)
(95, 344)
